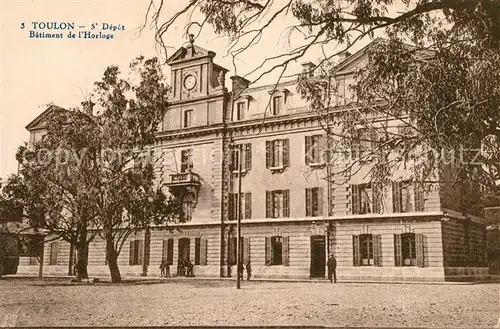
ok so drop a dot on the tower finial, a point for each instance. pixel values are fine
(191, 39)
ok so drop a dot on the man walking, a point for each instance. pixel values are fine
(332, 269)
(162, 268)
(249, 270)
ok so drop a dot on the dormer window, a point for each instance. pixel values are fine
(188, 117)
(240, 111)
(277, 105)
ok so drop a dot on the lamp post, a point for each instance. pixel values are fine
(238, 222)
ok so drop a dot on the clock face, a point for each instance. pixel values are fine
(190, 82)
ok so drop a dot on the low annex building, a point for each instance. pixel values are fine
(292, 218)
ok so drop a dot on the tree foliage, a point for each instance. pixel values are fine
(83, 178)
(436, 72)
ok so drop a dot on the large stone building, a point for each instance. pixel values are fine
(293, 218)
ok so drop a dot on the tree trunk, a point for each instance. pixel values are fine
(82, 251)
(112, 258)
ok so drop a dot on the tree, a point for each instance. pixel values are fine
(121, 185)
(436, 72)
(82, 179)
(50, 186)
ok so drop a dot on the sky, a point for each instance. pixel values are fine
(35, 72)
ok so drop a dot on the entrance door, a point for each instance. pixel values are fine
(184, 249)
(318, 256)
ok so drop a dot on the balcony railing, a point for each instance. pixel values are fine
(184, 179)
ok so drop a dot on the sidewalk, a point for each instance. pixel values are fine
(106, 279)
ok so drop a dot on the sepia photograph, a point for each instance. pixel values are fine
(250, 163)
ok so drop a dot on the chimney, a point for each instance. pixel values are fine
(88, 107)
(239, 84)
(308, 67)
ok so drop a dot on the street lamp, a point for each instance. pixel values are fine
(238, 212)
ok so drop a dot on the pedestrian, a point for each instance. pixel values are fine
(332, 269)
(241, 268)
(249, 270)
(162, 268)
(167, 269)
(189, 268)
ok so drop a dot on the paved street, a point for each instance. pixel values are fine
(29, 302)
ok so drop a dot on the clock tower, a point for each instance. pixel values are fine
(194, 75)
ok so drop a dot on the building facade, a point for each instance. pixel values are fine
(292, 217)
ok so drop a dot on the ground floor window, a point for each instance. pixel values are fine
(409, 249)
(200, 251)
(168, 251)
(136, 252)
(367, 250)
(54, 246)
(277, 251)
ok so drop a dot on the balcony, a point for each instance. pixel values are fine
(181, 183)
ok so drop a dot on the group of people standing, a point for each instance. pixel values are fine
(242, 268)
(185, 267)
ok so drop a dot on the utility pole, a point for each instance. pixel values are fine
(238, 223)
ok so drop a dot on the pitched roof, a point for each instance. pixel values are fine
(38, 122)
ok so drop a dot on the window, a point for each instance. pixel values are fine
(277, 251)
(168, 251)
(188, 203)
(407, 197)
(277, 153)
(186, 160)
(240, 111)
(367, 250)
(200, 251)
(246, 206)
(277, 204)
(54, 246)
(277, 105)
(136, 252)
(232, 251)
(364, 142)
(183, 252)
(314, 147)
(314, 201)
(197, 243)
(188, 117)
(366, 198)
(246, 150)
(409, 249)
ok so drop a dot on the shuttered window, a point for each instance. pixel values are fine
(397, 250)
(277, 204)
(246, 206)
(246, 250)
(136, 252)
(419, 197)
(314, 147)
(314, 202)
(246, 150)
(377, 250)
(409, 249)
(366, 198)
(233, 249)
(186, 160)
(355, 250)
(277, 153)
(197, 250)
(54, 246)
(407, 197)
(203, 251)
